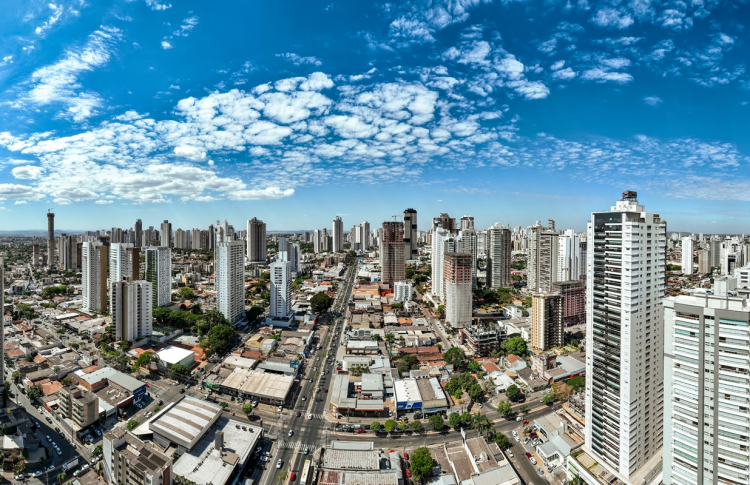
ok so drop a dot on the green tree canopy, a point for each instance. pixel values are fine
(515, 345)
(577, 383)
(454, 419)
(421, 463)
(375, 426)
(390, 426)
(549, 398)
(185, 293)
(504, 409)
(220, 339)
(456, 357)
(34, 392)
(132, 424)
(407, 363)
(253, 313)
(320, 303)
(502, 441)
(513, 392)
(180, 371)
(247, 408)
(416, 426)
(436, 422)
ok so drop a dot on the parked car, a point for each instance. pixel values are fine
(528, 455)
(279, 463)
(360, 430)
(532, 460)
(291, 432)
(292, 477)
(298, 414)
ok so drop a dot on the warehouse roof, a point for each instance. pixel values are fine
(174, 355)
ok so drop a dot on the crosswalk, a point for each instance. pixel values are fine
(295, 445)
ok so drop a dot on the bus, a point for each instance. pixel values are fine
(305, 473)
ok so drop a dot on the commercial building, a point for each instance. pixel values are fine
(94, 277)
(573, 294)
(128, 387)
(547, 329)
(79, 405)
(457, 270)
(131, 309)
(130, 461)
(256, 240)
(251, 384)
(281, 289)
(411, 235)
(472, 461)
(543, 257)
(159, 274)
(498, 256)
(706, 389)
(687, 255)
(173, 355)
(350, 463)
(624, 372)
(230, 279)
(392, 263)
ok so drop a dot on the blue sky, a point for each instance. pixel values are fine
(297, 111)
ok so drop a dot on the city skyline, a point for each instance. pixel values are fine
(499, 110)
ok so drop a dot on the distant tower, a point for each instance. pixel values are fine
(138, 233)
(392, 266)
(338, 235)
(411, 236)
(50, 237)
(256, 241)
(2, 318)
(165, 234)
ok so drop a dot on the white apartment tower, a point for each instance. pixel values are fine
(159, 274)
(338, 235)
(543, 258)
(281, 289)
(94, 276)
(571, 263)
(256, 241)
(165, 234)
(706, 387)
(624, 339)
(440, 237)
(230, 279)
(131, 309)
(687, 255)
(457, 281)
(498, 256)
(121, 262)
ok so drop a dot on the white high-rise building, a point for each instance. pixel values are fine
(165, 234)
(466, 242)
(457, 282)
(570, 266)
(159, 274)
(687, 255)
(338, 234)
(402, 291)
(543, 258)
(706, 387)
(624, 340)
(439, 238)
(94, 276)
(281, 289)
(131, 309)
(498, 256)
(2, 318)
(230, 279)
(120, 261)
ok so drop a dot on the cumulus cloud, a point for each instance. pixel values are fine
(298, 60)
(28, 172)
(610, 17)
(166, 45)
(652, 100)
(156, 5)
(192, 153)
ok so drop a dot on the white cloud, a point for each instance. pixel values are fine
(27, 172)
(602, 76)
(102, 202)
(299, 60)
(192, 153)
(261, 194)
(165, 45)
(15, 191)
(155, 5)
(652, 100)
(610, 17)
(19, 202)
(564, 74)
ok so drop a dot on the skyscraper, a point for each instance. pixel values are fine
(131, 309)
(392, 265)
(458, 296)
(165, 234)
(543, 258)
(704, 261)
(2, 319)
(281, 289)
(159, 273)
(94, 276)
(123, 262)
(624, 339)
(467, 222)
(230, 279)
(411, 235)
(498, 256)
(50, 238)
(687, 255)
(256, 241)
(440, 237)
(466, 242)
(338, 234)
(547, 329)
(570, 265)
(445, 221)
(138, 243)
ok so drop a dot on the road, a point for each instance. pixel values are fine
(308, 435)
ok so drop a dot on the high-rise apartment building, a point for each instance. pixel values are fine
(67, 253)
(138, 243)
(129, 461)
(498, 256)
(467, 222)
(281, 289)
(230, 279)
(79, 405)
(543, 258)
(706, 387)
(256, 240)
(687, 255)
(50, 238)
(411, 235)
(131, 309)
(714, 247)
(704, 261)
(2, 318)
(547, 329)
(159, 273)
(440, 238)
(624, 339)
(445, 221)
(458, 297)
(392, 263)
(338, 235)
(94, 276)
(165, 234)
(570, 266)
(124, 262)
(466, 242)
(573, 295)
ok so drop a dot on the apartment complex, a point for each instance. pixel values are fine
(124, 262)
(230, 279)
(687, 255)
(543, 258)
(131, 309)
(706, 387)
(79, 405)
(159, 274)
(94, 276)
(281, 289)
(338, 235)
(624, 339)
(458, 296)
(482, 341)
(411, 235)
(547, 329)
(256, 240)
(165, 234)
(573, 295)
(392, 263)
(498, 256)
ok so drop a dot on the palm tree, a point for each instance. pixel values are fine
(61, 477)
(481, 424)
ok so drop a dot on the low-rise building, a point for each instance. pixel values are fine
(130, 461)
(358, 463)
(482, 341)
(79, 405)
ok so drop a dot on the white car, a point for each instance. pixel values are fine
(533, 461)
(309, 416)
(265, 458)
(279, 463)
(291, 432)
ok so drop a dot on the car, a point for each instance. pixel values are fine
(360, 430)
(540, 471)
(304, 398)
(298, 414)
(182, 391)
(49, 439)
(291, 432)
(19, 477)
(528, 455)
(64, 466)
(279, 463)
(279, 409)
(325, 390)
(525, 422)
(510, 453)
(292, 477)
(50, 468)
(480, 405)
(526, 441)
(309, 416)
(37, 473)
(532, 460)
(265, 458)
(518, 418)
(408, 473)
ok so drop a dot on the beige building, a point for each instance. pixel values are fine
(79, 405)
(704, 262)
(130, 461)
(547, 330)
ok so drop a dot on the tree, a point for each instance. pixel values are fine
(376, 338)
(185, 293)
(454, 419)
(19, 467)
(421, 463)
(390, 426)
(247, 408)
(502, 441)
(220, 338)
(524, 409)
(66, 382)
(437, 422)
(132, 424)
(441, 310)
(97, 450)
(515, 345)
(513, 393)
(474, 366)
(34, 392)
(577, 383)
(549, 398)
(375, 426)
(456, 357)
(403, 426)
(16, 376)
(416, 426)
(504, 409)
(180, 371)
(253, 313)
(61, 477)
(562, 390)
(320, 303)
(407, 363)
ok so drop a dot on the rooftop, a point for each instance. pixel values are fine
(174, 355)
(186, 421)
